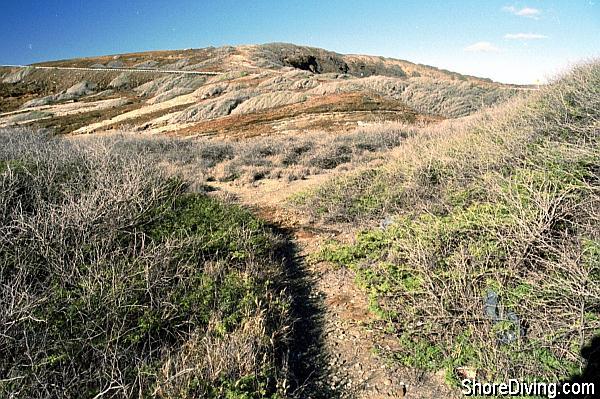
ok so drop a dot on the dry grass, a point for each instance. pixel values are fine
(505, 202)
(287, 157)
(294, 157)
(115, 281)
(428, 96)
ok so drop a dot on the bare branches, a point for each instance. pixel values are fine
(98, 288)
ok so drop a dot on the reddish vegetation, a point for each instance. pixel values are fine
(331, 112)
(266, 89)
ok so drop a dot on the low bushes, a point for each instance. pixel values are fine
(115, 281)
(491, 265)
(284, 156)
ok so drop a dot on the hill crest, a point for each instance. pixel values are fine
(261, 89)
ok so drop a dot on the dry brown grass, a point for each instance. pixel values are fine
(115, 281)
(293, 157)
(505, 202)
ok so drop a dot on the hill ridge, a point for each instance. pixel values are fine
(253, 91)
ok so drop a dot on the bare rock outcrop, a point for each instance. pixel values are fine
(17, 76)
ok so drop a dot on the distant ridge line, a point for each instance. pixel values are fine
(172, 71)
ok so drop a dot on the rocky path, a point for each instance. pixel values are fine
(338, 338)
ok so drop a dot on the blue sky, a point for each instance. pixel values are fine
(508, 41)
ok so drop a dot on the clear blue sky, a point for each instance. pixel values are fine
(509, 41)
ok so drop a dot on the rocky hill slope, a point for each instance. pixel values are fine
(261, 89)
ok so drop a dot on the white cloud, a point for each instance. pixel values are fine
(482, 47)
(528, 12)
(524, 36)
(523, 12)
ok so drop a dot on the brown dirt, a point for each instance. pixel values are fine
(351, 335)
(161, 56)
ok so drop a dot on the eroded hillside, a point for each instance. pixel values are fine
(260, 90)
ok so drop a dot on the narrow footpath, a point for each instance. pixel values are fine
(337, 341)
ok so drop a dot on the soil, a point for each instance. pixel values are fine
(342, 360)
(329, 113)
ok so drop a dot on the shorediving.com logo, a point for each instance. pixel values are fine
(515, 387)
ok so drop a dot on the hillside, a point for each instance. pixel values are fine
(262, 89)
(304, 224)
(479, 246)
(390, 261)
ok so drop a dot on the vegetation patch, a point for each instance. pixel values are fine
(489, 260)
(116, 281)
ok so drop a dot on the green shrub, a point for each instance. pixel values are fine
(510, 207)
(112, 277)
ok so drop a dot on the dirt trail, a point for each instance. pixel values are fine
(151, 70)
(350, 336)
